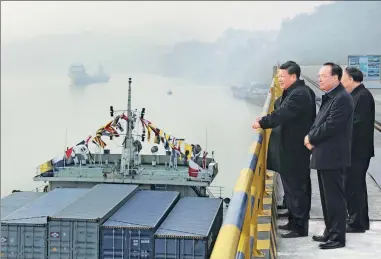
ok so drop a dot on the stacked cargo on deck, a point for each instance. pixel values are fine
(24, 232)
(108, 221)
(16, 200)
(74, 231)
(129, 232)
(190, 230)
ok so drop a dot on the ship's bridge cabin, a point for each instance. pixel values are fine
(150, 172)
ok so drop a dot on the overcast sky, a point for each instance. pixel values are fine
(163, 20)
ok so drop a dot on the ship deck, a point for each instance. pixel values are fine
(147, 174)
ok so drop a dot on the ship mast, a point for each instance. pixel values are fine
(127, 155)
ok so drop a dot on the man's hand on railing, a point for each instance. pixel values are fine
(256, 124)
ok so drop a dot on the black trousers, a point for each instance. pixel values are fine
(356, 193)
(331, 187)
(296, 188)
(309, 193)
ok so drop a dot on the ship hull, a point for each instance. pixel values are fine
(89, 80)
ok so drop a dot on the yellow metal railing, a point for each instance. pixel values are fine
(238, 237)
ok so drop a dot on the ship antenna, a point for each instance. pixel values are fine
(129, 112)
(127, 148)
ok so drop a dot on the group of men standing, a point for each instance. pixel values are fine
(339, 138)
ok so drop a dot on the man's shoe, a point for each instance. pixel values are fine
(320, 238)
(331, 245)
(285, 227)
(293, 234)
(354, 230)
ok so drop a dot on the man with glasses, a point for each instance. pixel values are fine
(330, 141)
(294, 117)
(362, 151)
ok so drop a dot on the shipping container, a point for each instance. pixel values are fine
(74, 231)
(16, 200)
(24, 232)
(190, 230)
(129, 232)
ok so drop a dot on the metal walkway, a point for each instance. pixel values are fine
(364, 245)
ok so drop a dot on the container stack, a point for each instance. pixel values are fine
(129, 232)
(108, 221)
(190, 230)
(24, 232)
(16, 200)
(74, 231)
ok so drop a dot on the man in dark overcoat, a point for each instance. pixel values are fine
(330, 142)
(362, 150)
(294, 118)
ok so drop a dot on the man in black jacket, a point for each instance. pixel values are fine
(294, 117)
(273, 162)
(330, 142)
(362, 151)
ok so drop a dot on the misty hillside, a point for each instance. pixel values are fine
(332, 32)
(227, 59)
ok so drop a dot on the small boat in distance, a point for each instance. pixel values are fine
(169, 92)
(79, 76)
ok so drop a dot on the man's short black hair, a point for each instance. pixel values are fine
(336, 69)
(355, 73)
(292, 68)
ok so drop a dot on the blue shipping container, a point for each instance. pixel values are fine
(74, 231)
(24, 232)
(190, 230)
(129, 232)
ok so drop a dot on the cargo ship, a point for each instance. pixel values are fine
(97, 204)
(79, 76)
(254, 92)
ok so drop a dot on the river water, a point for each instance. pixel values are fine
(41, 114)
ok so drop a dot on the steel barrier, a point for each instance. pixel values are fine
(248, 230)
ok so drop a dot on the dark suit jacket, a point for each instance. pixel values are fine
(294, 118)
(363, 123)
(331, 133)
(274, 142)
(313, 97)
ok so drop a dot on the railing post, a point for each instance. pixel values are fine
(275, 71)
(278, 90)
(256, 192)
(262, 173)
(244, 240)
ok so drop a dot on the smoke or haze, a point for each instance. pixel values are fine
(192, 48)
(219, 42)
(157, 21)
(134, 36)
